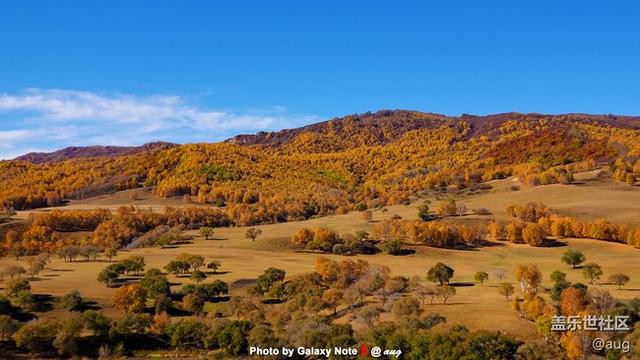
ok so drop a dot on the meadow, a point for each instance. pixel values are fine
(475, 306)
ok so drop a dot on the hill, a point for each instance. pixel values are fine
(73, 152)
(355, 162)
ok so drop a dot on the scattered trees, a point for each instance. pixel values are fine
(14, 270)
(185, 263)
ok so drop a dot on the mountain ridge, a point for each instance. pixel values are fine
(401, 121)
(73, 152)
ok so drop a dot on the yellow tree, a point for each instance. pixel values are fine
(130, 298)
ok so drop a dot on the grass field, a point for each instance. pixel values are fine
(477, 307)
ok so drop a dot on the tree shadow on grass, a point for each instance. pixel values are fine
(553, 243)
(18, 314)
(217, 273)
(272, 301)
(462, 284)
(405, 252)
(219, 299)
(242, 283)
(487, 243)
(174, 311)
(89, 305)
(43, 302)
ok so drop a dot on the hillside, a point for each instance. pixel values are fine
(358, 161)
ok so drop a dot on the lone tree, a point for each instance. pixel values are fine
(268, 278)
(423, 211)
(446, 292)
(252, 234)
(206, 232)
(619, 279)
(558, 277)
(110, 253)
(506, 289)
(481, 277)
(367, 215)
(573, 258)
(592, 272)
(214, 265)
(198, 276)
(440, 273)
(107, 276)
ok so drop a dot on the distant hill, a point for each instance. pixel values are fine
(385, 126)
(73, 152)
(348, 163)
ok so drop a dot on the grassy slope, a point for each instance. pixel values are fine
(475, 306)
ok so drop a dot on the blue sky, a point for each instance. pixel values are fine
(128, 72)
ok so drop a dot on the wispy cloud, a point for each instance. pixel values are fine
(51, 118)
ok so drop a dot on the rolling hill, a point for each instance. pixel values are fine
(354, 162)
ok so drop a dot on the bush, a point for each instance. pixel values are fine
(97, 322)
(192, 303)
(13, 287)
(8, 327)
(187, 333)
(71, 301)
(37, 336)
(233, 338)
(393, 247)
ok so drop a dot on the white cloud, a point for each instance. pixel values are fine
(59, 118)
(12, 135)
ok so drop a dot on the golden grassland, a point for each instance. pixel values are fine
(477, 307)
